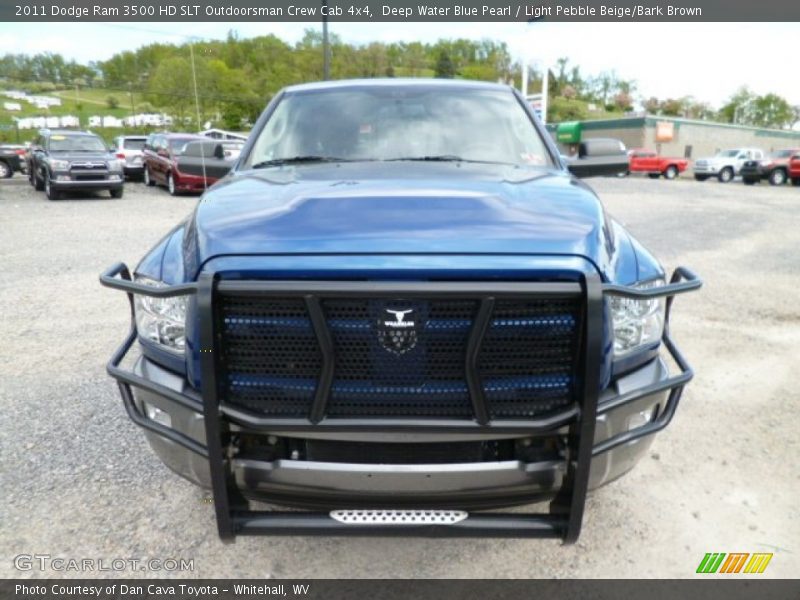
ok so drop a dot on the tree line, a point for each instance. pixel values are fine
(235, 78)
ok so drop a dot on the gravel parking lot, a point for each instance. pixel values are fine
(77, 478)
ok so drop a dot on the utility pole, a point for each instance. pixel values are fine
(326, 50)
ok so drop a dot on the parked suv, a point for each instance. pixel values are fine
(726, 164)
(67, 160)
(774, 168)
(12, 159)
(128, 149)
(388, 319)
(161, 152)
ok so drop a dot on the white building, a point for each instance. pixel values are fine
(12, 106)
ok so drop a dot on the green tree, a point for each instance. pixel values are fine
(112, 102)
(445, 69)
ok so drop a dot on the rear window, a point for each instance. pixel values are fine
(133, 144)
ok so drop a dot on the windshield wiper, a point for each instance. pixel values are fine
(293, 160)
(445, 158)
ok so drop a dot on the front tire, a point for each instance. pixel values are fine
(38, 183)
(173, 191)
(148, 181)
(5, 170)
(49, 190)
(726, 175)
(777, 177)
(117, 192)
(671, 172)
(748, 180)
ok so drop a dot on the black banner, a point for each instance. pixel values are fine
(379, 589)
(365, 11)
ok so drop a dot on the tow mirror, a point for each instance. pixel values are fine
(599, 157)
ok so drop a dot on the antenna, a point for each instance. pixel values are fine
(197, 110)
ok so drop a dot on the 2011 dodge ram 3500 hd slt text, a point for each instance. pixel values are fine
(398, 310)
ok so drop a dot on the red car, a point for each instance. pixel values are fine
(160, 157)
(794, 169)
(647, 161)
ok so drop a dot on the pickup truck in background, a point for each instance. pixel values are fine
(648, 161)
(12, 159)
(211, 159)
(726, 164)
(774, 168)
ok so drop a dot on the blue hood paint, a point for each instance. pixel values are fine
(399, 208)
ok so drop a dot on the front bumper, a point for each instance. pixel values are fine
(619, 424)
(706, 169)
(67, 183)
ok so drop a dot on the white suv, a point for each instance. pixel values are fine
(726, 164)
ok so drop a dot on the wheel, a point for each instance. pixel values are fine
(52, 194)
(38, 183)
(726, 175)
(5, 170)
(654, 175)
(701, 177)
(146, 178)
(777, 177)
(117, 192)
(796, 181)
(171, 185)
(671, 172)
(748, 180)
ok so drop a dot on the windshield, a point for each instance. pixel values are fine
(129, 144)
(728, 153)
(76, 143)
(401, 123)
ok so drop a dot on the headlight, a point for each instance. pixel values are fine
(59, 165)
(161, 320)
(637, 322)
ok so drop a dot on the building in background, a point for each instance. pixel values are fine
(673, 136)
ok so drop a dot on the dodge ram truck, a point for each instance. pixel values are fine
(398, 313)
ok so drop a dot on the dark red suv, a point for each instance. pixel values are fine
(161, 153)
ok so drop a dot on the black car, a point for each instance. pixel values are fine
(62, 161)
(774, 168)
(12, 159)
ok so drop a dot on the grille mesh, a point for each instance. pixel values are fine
(399, 366)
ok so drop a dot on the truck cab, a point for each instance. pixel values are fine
(725, 164)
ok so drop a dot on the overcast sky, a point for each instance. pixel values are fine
(706, 60)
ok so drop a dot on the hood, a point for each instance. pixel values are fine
(83, 156)
(398, 208)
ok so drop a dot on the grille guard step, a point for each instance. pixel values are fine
(566, 510)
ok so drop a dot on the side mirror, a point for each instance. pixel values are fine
(599, 157)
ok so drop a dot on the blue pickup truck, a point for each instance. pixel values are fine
(400, 311)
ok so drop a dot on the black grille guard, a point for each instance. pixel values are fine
(566, 510)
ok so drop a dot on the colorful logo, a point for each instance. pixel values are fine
(735, 562)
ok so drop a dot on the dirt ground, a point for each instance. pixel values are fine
(77, 478)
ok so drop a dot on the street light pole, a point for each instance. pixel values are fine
(326, 53)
